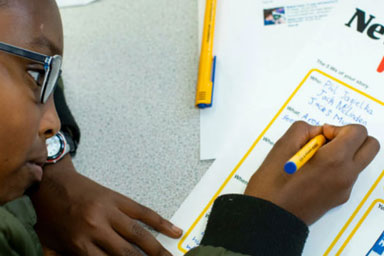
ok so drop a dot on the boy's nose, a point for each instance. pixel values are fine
(50, 122)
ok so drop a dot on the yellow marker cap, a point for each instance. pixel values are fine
(205, 82)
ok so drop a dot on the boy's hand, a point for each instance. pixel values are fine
(49, 252)
(77, 216)
(325, 181)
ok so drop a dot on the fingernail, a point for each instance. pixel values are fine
(176, 229)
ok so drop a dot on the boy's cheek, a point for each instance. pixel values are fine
(13, 184)
(15, 148)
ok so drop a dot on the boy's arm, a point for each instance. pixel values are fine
(272, 217)
(76, 215)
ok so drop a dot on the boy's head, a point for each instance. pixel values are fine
(25, 123)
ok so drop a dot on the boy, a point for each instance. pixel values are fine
(28, 117)
(75, 215)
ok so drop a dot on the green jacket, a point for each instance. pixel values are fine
(238, 226)
(17, 236)
(212, 251)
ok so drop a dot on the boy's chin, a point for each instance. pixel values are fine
(15, 193)
(10, 197)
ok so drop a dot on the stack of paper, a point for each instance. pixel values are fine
(249, 44)
(338, 79)
(65, 3)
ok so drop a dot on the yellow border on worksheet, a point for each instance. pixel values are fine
(358, 225)
(179, 245)
(351, 219)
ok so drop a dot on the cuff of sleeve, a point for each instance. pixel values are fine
(250, 225)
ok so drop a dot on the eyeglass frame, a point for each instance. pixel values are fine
(52, 66)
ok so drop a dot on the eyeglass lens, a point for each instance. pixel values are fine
(51, 76)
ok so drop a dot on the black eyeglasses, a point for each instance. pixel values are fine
(52, 67)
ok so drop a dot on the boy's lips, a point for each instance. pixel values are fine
(36, 170)
(35, 166)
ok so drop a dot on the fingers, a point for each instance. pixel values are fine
(299, 134)
(367, 152)
(115, 245)
(132, 231)
(351, 144)
(270, 176)
(92, 249)
(345, 140)
(149, 217)
(49, 252)
(293, 140)
(328, 177)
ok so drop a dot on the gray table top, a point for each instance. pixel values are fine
(130, 70)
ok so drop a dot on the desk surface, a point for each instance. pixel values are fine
(130, 73)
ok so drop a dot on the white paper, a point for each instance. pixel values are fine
(335, 81)
(65, 3)
(246, 50)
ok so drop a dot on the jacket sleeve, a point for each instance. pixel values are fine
(68, 122)
(212, 251)
(251, 226)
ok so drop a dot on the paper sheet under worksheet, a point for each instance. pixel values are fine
(338, 79)
(252, 38)
(67, 3)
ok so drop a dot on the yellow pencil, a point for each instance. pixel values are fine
(205, 82)
(304, 154)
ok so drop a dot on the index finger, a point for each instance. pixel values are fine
(149, 217)
(292, 141)
(130, 230)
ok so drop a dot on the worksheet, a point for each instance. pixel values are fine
(253, 38)
(338, 79)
